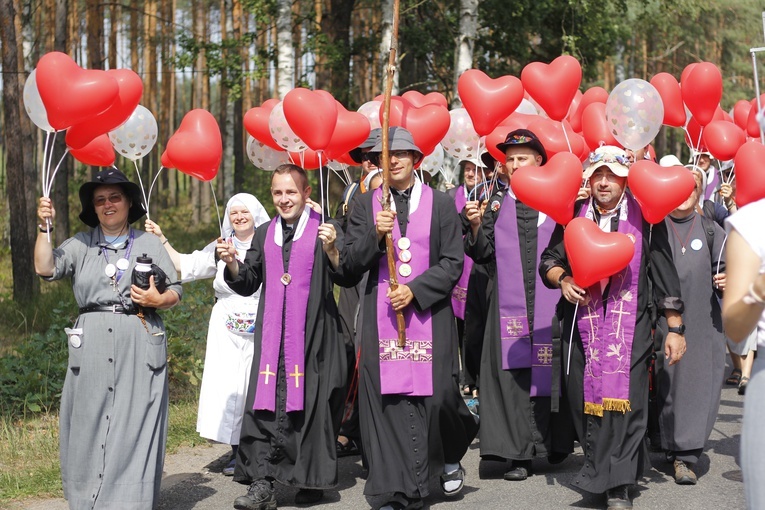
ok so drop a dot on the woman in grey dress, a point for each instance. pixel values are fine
(113, 419)
(689, 392)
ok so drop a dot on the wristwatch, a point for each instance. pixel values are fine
(680, 330)
(561, 278)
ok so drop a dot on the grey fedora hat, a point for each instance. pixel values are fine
(399, 139)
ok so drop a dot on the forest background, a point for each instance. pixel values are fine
(227, 56)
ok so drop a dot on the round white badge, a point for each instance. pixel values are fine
(122, 264)
(404, 243)
(696, 244)
(110, 270)
(405, 255)
(405, 270)
(75, 341)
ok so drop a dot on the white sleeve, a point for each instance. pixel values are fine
(747, 221)
(198, 265)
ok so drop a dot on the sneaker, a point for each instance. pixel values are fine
(452, 483)
(230, 467)
(619, 498)
(260, 496)
(684, 475)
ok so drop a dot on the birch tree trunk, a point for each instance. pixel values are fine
(284, 50)
(387, 30)
(238, 18)
(22, 225)
(465, 43)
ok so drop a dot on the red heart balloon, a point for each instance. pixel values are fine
(550, 133)
(99, 152)
(752, 126)
(417, 99)
(671, 97)
(196, 147)
(592, 95)
(750, 177)
(593, 254)
(165, 160)
(256, 123)
(312, 115)
(72, 94)
(308, 159)
(488, 101)
(595, 127)
(694, 133)
(553, 86)
(130, 90)
(687, 71)
(723, 139)
(659, 190)
(702, 91)
(741, 113)
(351, 130)
(551, 188)
(499, 134)
(574, 106)
(428, 124)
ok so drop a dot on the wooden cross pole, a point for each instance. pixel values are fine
(385, 162)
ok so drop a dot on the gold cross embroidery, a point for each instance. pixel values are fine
(514, 327)
(267, 372)
(620, 312)
(544, 355)
(297, 375)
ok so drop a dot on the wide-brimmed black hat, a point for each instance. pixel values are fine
(110, 176)
(372, 140)
(524, 137)
(488, 161)
(399, 139)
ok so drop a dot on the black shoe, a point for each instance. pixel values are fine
(412, 504)
(619, 498)
(557, 457)
(519, 470)
(308, 496)
(459, 476)
(229, 469)
(742, 385)
(260, 496)
(347, 450)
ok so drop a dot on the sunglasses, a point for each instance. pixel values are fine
(114, 198)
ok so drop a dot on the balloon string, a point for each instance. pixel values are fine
(49, 162)
(565, 135)
(151, 188)
(321, 186)
(719, 255)
(143, 191)
(339, 175)
(50, 182)
(43, 176)
(217, 209)
(347, 174)
(571, 339)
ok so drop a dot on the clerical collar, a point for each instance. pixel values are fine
(286, 226)
(405, 193)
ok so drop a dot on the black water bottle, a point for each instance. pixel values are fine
(142, 272)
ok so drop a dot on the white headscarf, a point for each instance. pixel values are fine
(259, 214)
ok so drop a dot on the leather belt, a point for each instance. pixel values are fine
(115, 308)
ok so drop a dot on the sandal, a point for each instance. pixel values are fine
(735, 378)
(347, 450)
(742, 385)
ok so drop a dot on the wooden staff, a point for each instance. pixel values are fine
(385, 161)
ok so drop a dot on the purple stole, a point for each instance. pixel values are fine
(712, 184)
(407, 371)
(459, 294)
(286, 304)
(523, 345)
(607, 331)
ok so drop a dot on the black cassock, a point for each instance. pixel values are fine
(295, 448)
(513, 424)
(407, 440)
(615, 452)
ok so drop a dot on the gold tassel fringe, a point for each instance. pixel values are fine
(616, 404)
(593, 409)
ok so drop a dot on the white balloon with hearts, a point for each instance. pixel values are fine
(137, 136)
(433, 162)
(265, 157)
(461, 141)
(281, 131)
(371, 110)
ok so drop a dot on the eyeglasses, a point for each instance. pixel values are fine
(114, 198)
(609, 158)
(400, 154)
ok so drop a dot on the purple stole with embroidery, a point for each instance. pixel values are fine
(712, 184)
(286, 304)
(407, 371)
(459, 294)
(607, 324)
(523, 345)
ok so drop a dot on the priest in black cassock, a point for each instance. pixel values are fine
(297, 384)
(606, 379)
(516, 419)
(415, 427)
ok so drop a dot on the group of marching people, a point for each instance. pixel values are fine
(483, 284)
